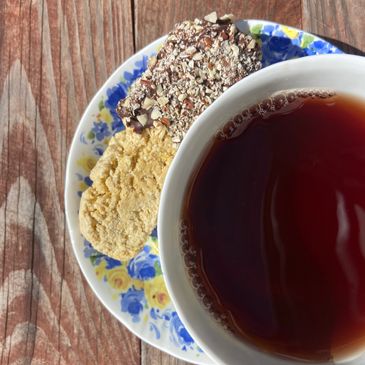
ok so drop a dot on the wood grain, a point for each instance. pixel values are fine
(55, 54)
(155, 18)
(341, 21)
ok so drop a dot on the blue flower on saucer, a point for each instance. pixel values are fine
(268, 29)
(179, 333)
(144, 266)
(140, 67)
(132, 302)
(88, 249)
(114, 94)
(90, 252)
(117, 125)
(111, 263)
(276, 49)
(101, 130)
(321, 47)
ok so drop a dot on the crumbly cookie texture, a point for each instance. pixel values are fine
(119, 211)
(199, 61)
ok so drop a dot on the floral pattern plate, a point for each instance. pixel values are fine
(134, 291)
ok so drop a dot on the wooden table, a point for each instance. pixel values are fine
(54, 55)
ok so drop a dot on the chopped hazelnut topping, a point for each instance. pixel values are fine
(199, 60)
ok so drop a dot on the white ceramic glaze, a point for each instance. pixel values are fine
(343, 73)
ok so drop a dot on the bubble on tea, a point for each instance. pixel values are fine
(264, 109)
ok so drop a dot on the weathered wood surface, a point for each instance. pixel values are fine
(55, 54)
(340, 21)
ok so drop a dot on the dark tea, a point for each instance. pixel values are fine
(274, 225)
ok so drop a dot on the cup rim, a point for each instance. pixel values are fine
(321, 62)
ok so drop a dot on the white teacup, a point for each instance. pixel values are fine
(342, 73)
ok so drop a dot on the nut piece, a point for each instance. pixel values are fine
(181, 97)
(165, 122)
(235, 50)
(127, 102)
(252, 44)
(156, 113)
(159, 90)
(142, 119)
(198, 56)
(227, 17)
(212, 17)
(148, 103)
(152, 62)
(190, 50)
(162, 100)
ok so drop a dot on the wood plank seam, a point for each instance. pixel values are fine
(5, 219)
(32, 287)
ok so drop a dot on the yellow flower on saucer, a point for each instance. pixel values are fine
(291, 33)
(83, 186)
(100, 270)
(156, 292)
(105, 115)
(138, 284)
(118, 278)
(87, 163)
(154, 246)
